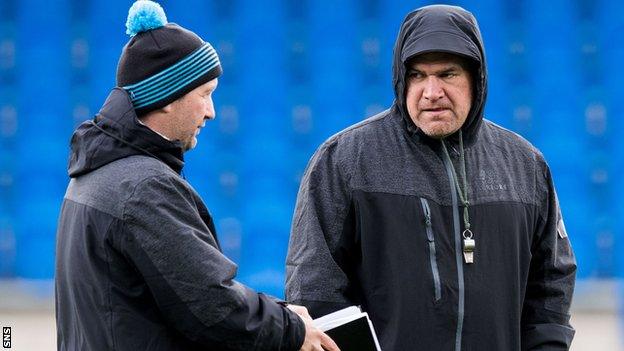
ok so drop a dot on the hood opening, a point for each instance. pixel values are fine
(441, 28)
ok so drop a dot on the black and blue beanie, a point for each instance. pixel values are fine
(162, 61)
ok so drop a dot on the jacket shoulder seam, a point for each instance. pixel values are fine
(92, 207)
(378, 118)
(528, 149)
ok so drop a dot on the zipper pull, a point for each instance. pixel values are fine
(427, 211)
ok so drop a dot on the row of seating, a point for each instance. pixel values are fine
(296, 72)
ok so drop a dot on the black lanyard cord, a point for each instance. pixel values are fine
(463, 192)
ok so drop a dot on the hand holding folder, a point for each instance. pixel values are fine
(315, 339)
(350, 328)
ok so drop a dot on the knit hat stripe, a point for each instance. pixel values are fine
(163, 94)
(202, 49)
(180, 80)
(142, 92)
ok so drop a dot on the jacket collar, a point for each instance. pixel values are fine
(115, 133)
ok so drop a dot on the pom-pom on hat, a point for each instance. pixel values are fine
(162, 61)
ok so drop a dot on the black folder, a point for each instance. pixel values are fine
(351, 329)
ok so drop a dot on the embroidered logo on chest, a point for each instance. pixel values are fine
(489, 180)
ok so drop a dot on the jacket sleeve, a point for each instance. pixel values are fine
(191, 281)
(316, 274)
(545, 315)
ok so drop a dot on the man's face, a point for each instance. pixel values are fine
(439, 93)
(188, 114)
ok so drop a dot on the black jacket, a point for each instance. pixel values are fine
(138, 264)
(378, 222)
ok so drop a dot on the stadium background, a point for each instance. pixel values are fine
(296, 72)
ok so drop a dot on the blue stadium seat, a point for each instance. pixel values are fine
(35, 236)
(107, 29)
(7, 246)
(295, 73)
(44, 156)
(198, 20)
(266, 223)
(230, 231)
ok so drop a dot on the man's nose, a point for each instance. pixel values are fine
(433, 89)
(210, 112)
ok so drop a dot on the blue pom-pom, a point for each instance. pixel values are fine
(143, 16)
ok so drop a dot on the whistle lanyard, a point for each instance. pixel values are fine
(469, 242)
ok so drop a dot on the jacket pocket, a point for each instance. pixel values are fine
(432, 249)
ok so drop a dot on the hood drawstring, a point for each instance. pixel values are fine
(469, 243)
(138, 148)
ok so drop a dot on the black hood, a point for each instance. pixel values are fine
(441, 28)
(116, 133)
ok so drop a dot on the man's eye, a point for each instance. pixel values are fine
(415, 75)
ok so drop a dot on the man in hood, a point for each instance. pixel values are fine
(442, 225)
(138, 264)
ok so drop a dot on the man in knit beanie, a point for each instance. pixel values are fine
(139, 266)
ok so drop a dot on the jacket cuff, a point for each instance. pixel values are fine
(294, 331)
(547, 337)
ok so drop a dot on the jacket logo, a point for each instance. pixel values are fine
(488, 181)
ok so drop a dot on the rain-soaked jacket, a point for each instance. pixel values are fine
(378, 222)
(138, 264)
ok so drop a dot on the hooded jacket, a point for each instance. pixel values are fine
(378, 222)
(138, 264)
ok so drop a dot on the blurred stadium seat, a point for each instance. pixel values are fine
(297, 72)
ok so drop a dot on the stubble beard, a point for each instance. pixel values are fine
(439, 129)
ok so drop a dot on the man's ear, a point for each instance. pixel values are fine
(167, 108)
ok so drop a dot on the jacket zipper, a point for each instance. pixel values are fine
(432, 249)
(458, 257)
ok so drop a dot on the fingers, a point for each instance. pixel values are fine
(315, 339)
(327, 343)
(300, 310)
